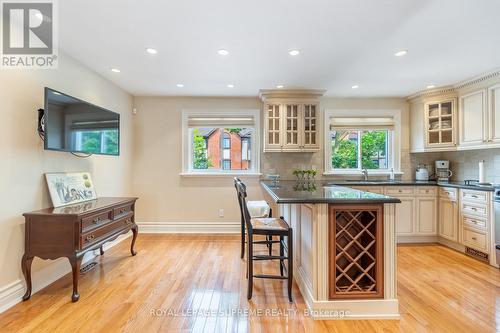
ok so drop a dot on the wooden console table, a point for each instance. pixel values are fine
(73, 230)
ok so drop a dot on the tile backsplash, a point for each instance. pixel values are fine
(464, 164)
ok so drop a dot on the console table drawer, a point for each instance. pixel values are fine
(96, 235)
(96, 220)
(120, 211)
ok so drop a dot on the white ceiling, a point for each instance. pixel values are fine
(342, 43)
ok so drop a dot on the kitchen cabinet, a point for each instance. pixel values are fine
(476, 219)
(473, 116)
(494, 114)
(440, 124)
(426, 209)
(405, 216)
(291, 120)
(448, 214)
(291, 127)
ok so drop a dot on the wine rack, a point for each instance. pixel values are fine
(356, 251)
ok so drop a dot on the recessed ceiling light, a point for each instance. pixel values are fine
(150, 50)
(401, 53)
(180, 85)
(279, 86)
(430, 86)
(355, 86)
(115, 70)
(223, 52)
(294, 52)
(230, 85)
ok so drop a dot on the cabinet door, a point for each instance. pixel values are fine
(472, 119)
(310, 131)
(273, 127)
(448, 219)
(426, 216)
(440, 124)
(494, 118)
(292, 117)
(405, 216)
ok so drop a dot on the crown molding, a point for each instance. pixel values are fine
(452, 89)
(290, 93)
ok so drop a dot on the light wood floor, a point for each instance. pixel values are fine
(439, 290)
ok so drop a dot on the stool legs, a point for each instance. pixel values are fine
(290, 264)
(250, 266)
(242, 239)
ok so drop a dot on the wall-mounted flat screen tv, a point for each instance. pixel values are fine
(73, 125)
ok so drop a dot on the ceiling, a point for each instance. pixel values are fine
(342, 43)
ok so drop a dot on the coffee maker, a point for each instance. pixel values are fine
(443, 172)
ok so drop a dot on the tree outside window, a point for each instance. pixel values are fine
(354, 148)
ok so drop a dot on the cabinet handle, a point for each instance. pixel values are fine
(96, 220)
(122, 210)
(474, 209)
(474, 196)
(127, 221)
(474, 238)
(400, 191)
(89, 238)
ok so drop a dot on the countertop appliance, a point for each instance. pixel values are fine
(443, 172)
(422, 172)
(496, 203)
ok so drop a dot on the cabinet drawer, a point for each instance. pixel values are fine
(94, 236)
(475, 209)
(474, 196)
(475, 222)
(448, 192)
(427, 190)
(121, 211)
(400, 190)
(96, 220)
(475, 239)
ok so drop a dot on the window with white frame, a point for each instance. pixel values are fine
(353, 144)
(219, 142)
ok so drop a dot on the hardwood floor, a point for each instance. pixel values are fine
(439, 290)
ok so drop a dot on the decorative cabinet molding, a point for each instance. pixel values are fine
(494, 114)
(291, 120)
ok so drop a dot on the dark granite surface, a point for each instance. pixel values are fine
(321, 192)
(409, 183)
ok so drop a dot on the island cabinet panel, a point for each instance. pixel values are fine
(356, 251)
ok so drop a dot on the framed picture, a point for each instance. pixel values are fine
(69, 188)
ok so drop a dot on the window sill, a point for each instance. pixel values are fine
(358, 173)
(220, 174)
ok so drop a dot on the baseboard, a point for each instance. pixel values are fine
(189, 227)
(416, 239)
(12, 294)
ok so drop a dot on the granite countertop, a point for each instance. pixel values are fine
(294, 192)
(411, 183)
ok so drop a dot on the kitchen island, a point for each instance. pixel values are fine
(345, 248)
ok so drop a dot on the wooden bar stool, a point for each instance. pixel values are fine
(268, 227)
(256, 209)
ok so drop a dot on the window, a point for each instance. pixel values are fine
(218, 143)
(369, 142)
(354, 148)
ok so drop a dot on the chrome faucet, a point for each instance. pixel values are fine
(365, 173)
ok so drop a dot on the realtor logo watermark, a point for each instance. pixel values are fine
(29, 34)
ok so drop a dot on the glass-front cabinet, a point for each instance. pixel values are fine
(440, 124)
(291, 127)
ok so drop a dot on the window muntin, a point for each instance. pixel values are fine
(99, 141)
(360, 149)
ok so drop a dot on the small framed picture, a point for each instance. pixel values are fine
(69, 188)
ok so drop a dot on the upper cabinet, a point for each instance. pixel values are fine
(291, 120)
(463, 117)
(440, 124)
(473, 115)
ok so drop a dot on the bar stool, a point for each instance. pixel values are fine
(256, 209)
(268, 227)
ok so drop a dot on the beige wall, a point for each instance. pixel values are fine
(167, 197)
(23, 160)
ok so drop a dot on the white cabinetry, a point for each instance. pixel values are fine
(494, 114)
(473, 117)
(291, 120)
(448, 214)
(440, 124)
(427, 208)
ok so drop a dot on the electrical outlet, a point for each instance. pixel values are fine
(221, 212)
